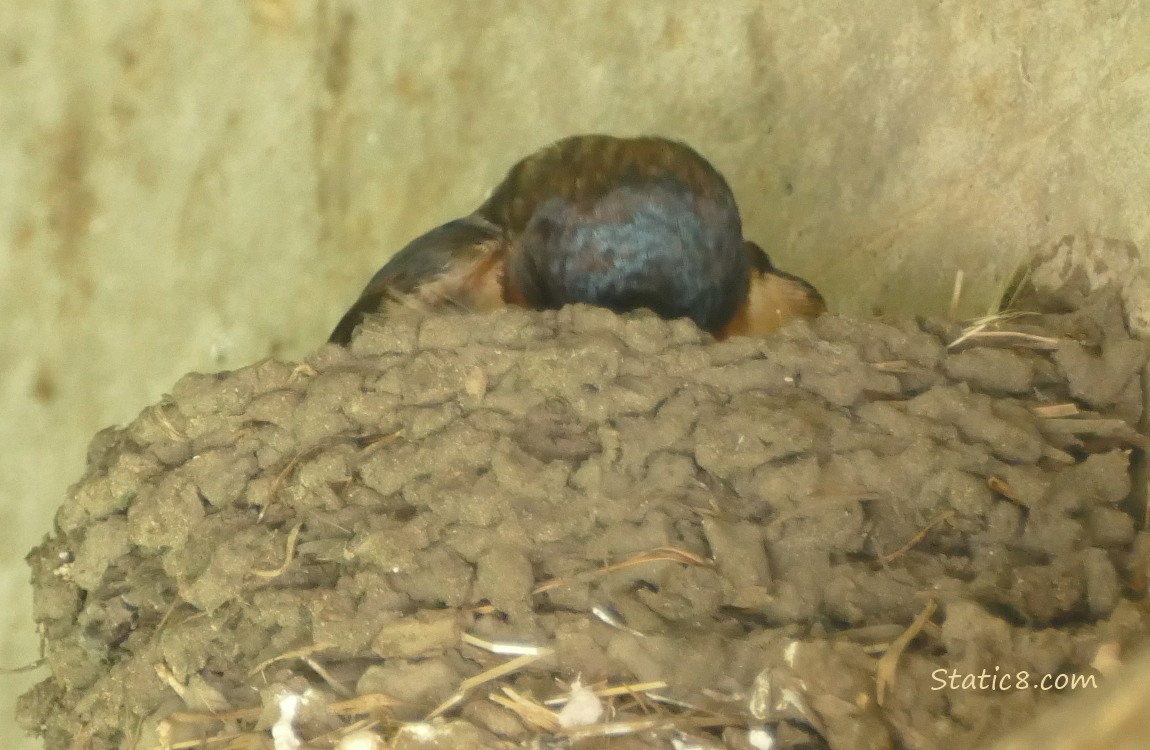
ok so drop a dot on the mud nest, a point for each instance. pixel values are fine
(440, 535)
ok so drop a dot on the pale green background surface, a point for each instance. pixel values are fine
(195, 185)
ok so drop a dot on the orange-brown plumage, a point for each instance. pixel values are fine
(774, 298)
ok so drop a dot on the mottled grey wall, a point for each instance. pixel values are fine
(194, 185)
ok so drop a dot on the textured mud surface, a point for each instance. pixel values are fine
(753, 523)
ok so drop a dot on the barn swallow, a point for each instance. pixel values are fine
(621, 223)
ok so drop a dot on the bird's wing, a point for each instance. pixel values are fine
(456, 266)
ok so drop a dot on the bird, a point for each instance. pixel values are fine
(614, 222)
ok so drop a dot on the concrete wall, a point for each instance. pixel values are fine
(195, 185)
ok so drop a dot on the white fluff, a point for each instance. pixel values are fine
(761, 739)
(422, 731)
(283, 733)
(790, 652)
(583, 707)
(361, 740)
